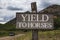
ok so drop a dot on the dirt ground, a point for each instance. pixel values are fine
(11, 37)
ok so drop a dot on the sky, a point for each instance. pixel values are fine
(8, 8)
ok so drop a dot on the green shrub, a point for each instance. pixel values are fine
(57, 23)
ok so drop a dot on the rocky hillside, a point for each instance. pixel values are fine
(52, 9)
(13, 21)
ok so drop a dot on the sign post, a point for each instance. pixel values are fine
(34, 32)
(34, 21)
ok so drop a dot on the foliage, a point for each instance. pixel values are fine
(57, 23)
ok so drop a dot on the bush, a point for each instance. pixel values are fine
(57, 23)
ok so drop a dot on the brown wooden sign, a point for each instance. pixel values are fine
(34, 21)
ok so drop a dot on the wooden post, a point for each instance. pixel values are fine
(34, 31)
(33, 7)
(34, 34)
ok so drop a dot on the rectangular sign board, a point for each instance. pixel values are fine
(34, 21)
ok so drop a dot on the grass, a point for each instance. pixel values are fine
(49, 35)
(27, 36)
(42, 35)
(4, 33)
